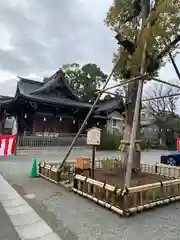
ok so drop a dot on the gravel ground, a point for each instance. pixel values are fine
(73, 217)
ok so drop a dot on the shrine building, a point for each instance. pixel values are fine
(52, 107)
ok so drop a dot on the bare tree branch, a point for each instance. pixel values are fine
(162, 109)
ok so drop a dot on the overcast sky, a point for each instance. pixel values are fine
(39, 36)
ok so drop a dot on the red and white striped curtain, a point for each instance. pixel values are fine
(7, 145)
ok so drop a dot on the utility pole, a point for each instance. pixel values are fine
(145, 8)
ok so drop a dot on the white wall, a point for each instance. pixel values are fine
(115, 118)
(149, 131)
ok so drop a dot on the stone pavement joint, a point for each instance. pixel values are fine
(27, 223)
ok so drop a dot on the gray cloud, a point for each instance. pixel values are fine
(46, 34)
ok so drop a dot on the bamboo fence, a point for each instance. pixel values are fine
(127, 201)
(122, 201)
(161, 169)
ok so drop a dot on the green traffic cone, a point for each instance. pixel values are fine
(34, 169)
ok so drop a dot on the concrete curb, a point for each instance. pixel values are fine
(27, 223)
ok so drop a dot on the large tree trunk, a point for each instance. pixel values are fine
(129, 113)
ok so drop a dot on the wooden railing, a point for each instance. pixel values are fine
(148, 196)
(127, 201)
(49, 171)
(122, 201)
(51, 134)
(134, 199)
(99, 192)
(69, 167)
(48, 141)
(160, 169)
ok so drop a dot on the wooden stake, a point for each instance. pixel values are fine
(93, 161)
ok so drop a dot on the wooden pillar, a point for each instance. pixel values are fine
(2, 119)
(33, 124)
(20, 122)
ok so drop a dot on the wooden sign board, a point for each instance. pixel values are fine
(93, 136)
(8, 123)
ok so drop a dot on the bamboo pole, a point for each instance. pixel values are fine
(87, 117)
(95, 182)
(151, 186)
(172, 61)
(99, 184)
(138, 102)
(80, 177)
(145, 99)
(91, 111)
(111, 93)
(167, 83)
(161, 97)
(174, 65)
(153, 204)
(125, 81)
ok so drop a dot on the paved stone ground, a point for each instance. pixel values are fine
(27, 223)
(7, 231)
(73, 217)
(54, 154)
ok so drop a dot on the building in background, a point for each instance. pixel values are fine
(53, 108)
(149, 129)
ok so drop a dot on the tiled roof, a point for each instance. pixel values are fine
(56, 90)
(110, 105)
